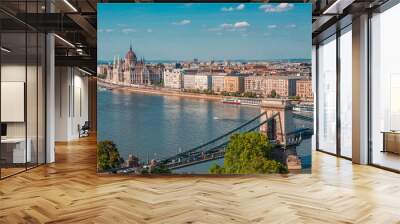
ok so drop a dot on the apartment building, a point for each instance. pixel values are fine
(198, 81)
(233, 83)
(255, 84)
(304, 88)
(283, 85)
(173, 78)
(218, 82)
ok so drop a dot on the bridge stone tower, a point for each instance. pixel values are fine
(283, 123)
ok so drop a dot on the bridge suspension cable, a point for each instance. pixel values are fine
(220, 142)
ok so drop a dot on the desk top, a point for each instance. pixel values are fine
(13, 140)
(391, 132)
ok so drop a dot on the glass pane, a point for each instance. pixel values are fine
(41, 99)
(31, 99)
(386, 89)
(327, 95)
(346, 93)
(13, 86)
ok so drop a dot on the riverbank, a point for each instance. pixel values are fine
(158, 91)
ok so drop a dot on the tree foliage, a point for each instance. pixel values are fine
(248, 153)
(108, 156)
(102, 76)
(160, 169)
(273, 94)
(250, 94)
(294, 97)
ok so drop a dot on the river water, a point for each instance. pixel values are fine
(154, 126)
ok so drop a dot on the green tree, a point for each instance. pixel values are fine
(216, 169)
(273, 93)
(294, 97)
(102, 76)
(160, 169)
(108, 156)
(250, 94)
(248, 153)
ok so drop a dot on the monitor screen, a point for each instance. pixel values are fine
(3, 129)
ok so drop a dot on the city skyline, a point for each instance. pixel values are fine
(180, 32)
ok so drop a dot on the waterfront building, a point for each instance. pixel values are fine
(130, 70)
(200, 81)
(188, 81)
(233, 83)
(117, 71)
(132, 161)
(172, 78)
(255, 84)
(284, 86)
(218, 82)
(304, 88)
(102, 69)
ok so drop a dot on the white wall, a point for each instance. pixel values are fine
(71, 102)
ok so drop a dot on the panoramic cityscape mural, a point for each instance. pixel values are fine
(219, 88)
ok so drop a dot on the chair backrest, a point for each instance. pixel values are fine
(86, 125)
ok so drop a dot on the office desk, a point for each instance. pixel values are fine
(391, 141)
(13, 150)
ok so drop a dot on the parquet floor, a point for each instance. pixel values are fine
(69, 191)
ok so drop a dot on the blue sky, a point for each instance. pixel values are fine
(166, 31)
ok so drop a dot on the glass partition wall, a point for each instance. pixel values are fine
(327, 95)
(385, 89)
(345, 61)
(334, 87)
(22, 77)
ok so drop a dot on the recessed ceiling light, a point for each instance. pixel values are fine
(70, 5)
(64, 40)
(86, 72)
(5, 50)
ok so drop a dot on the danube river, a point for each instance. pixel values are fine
(154, 126)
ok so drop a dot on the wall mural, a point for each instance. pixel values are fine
(189, 88)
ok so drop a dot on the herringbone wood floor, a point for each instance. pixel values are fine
(69, 191)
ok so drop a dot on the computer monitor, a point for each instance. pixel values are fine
(3, 129)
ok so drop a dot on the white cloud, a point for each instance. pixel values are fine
(273, 26)
(226, 25)
(182, 22)
(282, 7)
(238, 26)
(100, 30)
(108, 30)
(242, 24)
(291, 26)
(128, 30)
(230, 9)
(149, 30)
(240, 7)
